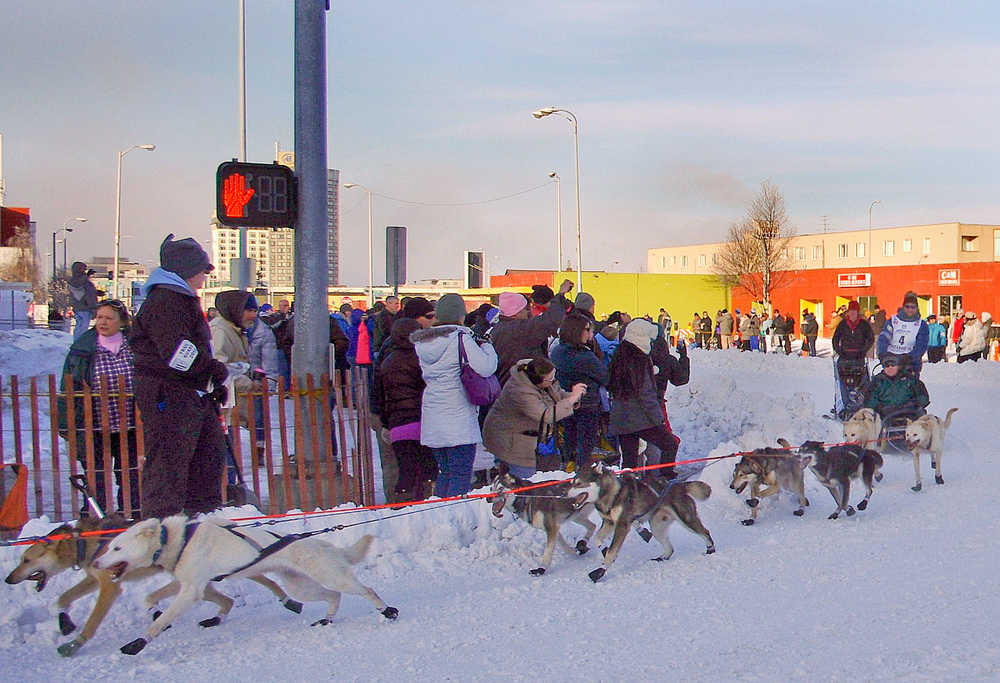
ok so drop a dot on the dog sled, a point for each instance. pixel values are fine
(851, 377)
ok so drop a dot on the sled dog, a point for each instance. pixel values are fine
(835, 467)
(864, 428)
(623, 500)
(926, 433)
(778, 469)
(41, 561)
(548, 512)
(199, 552)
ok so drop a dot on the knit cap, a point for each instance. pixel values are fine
(450, 310)
(641, 333)
(511, 303)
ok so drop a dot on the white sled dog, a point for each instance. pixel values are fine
(546, 509)
(926, 433)
(199, 552)
(864, 428)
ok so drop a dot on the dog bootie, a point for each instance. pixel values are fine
(70, 648)
(135, 647)
(66, 625)
(390, 613)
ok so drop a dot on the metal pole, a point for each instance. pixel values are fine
(870, 231)
(65, 238)
(371, 296)
(243, 265)
(579, 239)
(310, 354)
(118, 225)
(53, 257)
(559, 251)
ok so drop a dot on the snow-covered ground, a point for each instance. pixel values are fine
(905, 590)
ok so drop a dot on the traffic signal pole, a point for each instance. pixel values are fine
(310, 353)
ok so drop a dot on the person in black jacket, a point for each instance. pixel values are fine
(178, 384)
(576, 363)
(854, 336)
(810, 330)
(669, 370)
(399, 385)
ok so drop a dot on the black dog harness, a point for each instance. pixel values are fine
(189, 530)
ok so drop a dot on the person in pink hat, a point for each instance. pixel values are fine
(518, 336)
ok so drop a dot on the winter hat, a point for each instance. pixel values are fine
(854, 306)
(450, 310)
(511, 303)
(541, 294)
(79, 268)
(416, 307)
(266, 308)
(932, 317)
(969, 315)
(584, 301)
(184, 257)
(641, 333)
(910, 298)
(490, 316)
(985, 316)
(251, 303)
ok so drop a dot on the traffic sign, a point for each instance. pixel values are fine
(255, 195)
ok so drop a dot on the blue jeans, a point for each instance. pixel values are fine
(520, 471)
(581, 436)
(454, 469)
(82, 319)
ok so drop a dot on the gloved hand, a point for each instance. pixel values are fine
(219, 394)
(682, 349)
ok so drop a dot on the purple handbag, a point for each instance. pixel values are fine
(481, 391)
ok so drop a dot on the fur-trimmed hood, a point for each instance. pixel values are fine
(434, 341)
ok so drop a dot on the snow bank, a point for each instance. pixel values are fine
(906, 589)
(32, 353)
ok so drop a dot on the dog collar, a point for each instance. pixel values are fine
(163, 542)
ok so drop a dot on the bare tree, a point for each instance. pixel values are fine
(755, 256)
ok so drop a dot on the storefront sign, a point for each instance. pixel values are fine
(947, 278)
(854, 279)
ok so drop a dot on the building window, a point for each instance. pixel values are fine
(927, 245)
(889, 248)
(817, 252)
(859, 249)
(800, 253)
(684, 261)
(842, 250)
(970, 243)
(715, 259)
(663, 262)
(907, 246)
(673, 260)
(702, 259)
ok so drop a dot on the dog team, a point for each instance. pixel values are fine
(197, 553)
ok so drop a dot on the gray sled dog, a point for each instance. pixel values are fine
(835, 467)
(778, 470)
(199, 552)
(41, 561)
(623, 500)
(926, 433)
(548, 509)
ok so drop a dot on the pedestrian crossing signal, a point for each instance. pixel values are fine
(255, 195)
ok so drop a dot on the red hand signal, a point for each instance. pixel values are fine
(236, 195)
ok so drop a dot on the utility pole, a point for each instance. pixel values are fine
(241, 277)
(310, 354)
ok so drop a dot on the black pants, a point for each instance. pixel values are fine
(971, 356)
(659, 436)
(416, 465)
(935, 354)
(100, 495)
(185, 449)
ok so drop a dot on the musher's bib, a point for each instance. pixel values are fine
(904, 335)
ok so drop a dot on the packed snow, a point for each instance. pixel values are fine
(905, 590)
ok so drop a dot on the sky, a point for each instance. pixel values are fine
(684, 108)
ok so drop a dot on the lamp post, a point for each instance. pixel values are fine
(64, 229)
(118, 214)
(870, 231)
(559, 255)
(371, 299)
(547, 111)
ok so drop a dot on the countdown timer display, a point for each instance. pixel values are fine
(255, 195)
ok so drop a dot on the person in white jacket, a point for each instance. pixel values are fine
(449, 423)
(973, 339)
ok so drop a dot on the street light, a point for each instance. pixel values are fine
(548, 111)
(118, 214)
(559, 257)
(64, 229)
(371, 298)
(870, 231)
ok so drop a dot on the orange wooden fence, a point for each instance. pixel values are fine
(294, 467)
